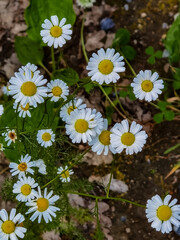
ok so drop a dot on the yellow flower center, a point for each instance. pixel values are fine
(106, 66)
(8, 227)
(147, 85)
(65, 174)
(104, 137)
(164, 212)
(22, 167)
(46, 137)
(29, 88)
(42, 204)
(12, 135)
(127, 138)
(26, 189)
(81, 125)
(25, 108)
(56, 31)
(70, 109)
(57, 91)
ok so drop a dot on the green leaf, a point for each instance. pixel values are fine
(158, 54)
(108, 90)
(122, 37)
(162, 105)
(108, 112)
(123, 93)
(176, 75)
(151, 60)
(169, 115)
(39, 10)
(149, 50)
(129, 52)
(176, 85)
(28, 50)
(172, 148)
(158, 117)
(88, 87)
(68, 75)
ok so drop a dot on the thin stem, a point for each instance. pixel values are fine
(109, 183)
(154, 105)
(129, 65)
(44, 67)
(82, 41)
(53, 59)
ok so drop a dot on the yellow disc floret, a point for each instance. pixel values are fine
(65, 174)
(25, 108)
(127, 138)
(57, 91)
(8, 227)
(29, 88)
(81, 125)
(147, 85)
(164, 212)
(104, 137)
(22, 167)
(42, 204)
(70, 109)
(106, 66)
(46, 137)
(26, 189)
(56, 31)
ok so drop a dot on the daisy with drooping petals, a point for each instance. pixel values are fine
(85, 3)
(10, 225)
(65, 173)
(55, 32)
(1, 110)
(45, 137)
(25, 189)
(162, 213)
(105, 66)
(41, 166)
(57, 89)
(101, 143)
(80, 126)
(31, 67)
(23, 167)
(42, 206)
(68, 108)
(1, 147)
(128, 137)
(28, 88)
(147, 86)
(23, 110)
(10, 136)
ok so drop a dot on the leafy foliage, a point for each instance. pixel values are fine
(150, 51)
(164, 114)
(68, 75)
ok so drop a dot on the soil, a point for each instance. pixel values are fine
(145, 172)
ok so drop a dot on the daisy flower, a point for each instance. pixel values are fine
(41, 166)
(65, 173)
(5, 90)
(58, 89)
(33, 68)
(42, 206)
(1, 147)
(23, 167)
(23, 110)
(24, 189)
(128, 137)
(68, 108)
(10, 136)
(85, 3)
(45, 137)
(55, 32)
(10, 225)
(28, 88)
(162, 213)
(1, 110)
(101, 143)
(80, 126)
(147, 86)
(104, 66)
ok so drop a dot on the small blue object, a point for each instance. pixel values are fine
(107, 24)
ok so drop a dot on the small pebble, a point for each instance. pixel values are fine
(123, 218)
(143, 15)
(129, 1)
(164, 25)
(126, 7)
(107, 24)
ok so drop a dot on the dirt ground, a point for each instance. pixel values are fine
(144, 173)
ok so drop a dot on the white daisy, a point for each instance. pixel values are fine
(24, 189)
(85, 3)
(58, 89)
(162, 213)
(45, 137)
(70, 106)
(41, 166)
(104, 66)
(28, 88)
(1, 147)
(1, 110)
(65, 173)
(101, 143)
(10, 136)
(10, 225)
(146, 86)
(55, 32)
(23, 110)
(23, 167)
(5, 90)
(42, 206)
(33, 68)
(128, 137)
(81, 125)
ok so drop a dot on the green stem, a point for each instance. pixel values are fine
(82, 41)
(129, 65)
(109, 183)
(44, 67)
(53, 59)
(154, 105)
